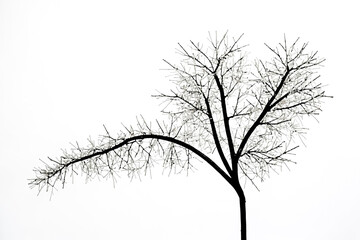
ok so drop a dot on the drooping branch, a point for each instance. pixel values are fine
(123, 153)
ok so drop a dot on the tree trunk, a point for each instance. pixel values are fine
(242, 203)
(243, 231)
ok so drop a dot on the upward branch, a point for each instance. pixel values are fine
(226, 121)
(265, 110)
(216, 137)
(288, 90)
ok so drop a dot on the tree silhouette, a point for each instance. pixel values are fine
(239, 118)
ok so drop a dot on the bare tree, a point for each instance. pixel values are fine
(239, 118)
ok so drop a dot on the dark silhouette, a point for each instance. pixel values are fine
(247, 114)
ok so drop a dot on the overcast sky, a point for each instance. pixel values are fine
(68, 67)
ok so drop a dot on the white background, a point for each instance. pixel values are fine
(67, 67)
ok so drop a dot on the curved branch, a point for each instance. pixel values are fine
(134, 139)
